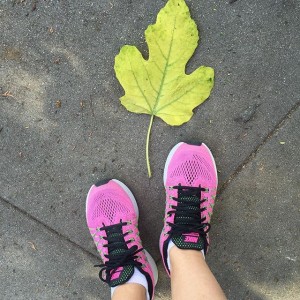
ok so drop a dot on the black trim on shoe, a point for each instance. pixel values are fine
(194, 143)
(165, 253)
(102, 182)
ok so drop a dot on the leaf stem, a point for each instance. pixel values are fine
(147, 146)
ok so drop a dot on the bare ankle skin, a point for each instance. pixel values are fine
(191, 277)
(129, 291)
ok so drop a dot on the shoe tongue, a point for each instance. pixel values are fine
(121, 274)
(188, 240)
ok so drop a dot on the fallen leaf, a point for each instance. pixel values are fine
(7, 94)
(58, 103)
(281, 143)
(159, 86)
(32, 246)
(82, 103)
(68, 282)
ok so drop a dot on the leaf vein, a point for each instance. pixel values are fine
(158, 67)
(165, 70)
(162, 53)
(150, 79)
(140, 87)
(175, 100)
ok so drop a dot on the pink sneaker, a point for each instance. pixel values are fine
(112, 218)
(190, 179)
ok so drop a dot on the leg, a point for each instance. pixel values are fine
(200, 282)
(130, 291)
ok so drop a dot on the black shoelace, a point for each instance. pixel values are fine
(119, 255)
(188, 211)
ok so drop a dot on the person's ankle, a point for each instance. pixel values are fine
(135, 283)
(131, 290)
(176, 253)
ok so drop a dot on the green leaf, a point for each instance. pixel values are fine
(159, 86)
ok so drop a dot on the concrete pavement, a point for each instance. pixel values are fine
(63, 128)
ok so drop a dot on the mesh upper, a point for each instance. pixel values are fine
(108, 206)
(192, 169)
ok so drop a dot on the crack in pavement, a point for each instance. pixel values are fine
(39, 222)
(253, 154)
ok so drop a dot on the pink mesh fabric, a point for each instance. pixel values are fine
(107, 206)
(192, 169)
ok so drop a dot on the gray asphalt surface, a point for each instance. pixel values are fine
(64, 128)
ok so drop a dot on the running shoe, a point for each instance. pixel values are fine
(190, 179)
(112, 218)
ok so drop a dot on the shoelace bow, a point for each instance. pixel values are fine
(189, 210)
(116, 260)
